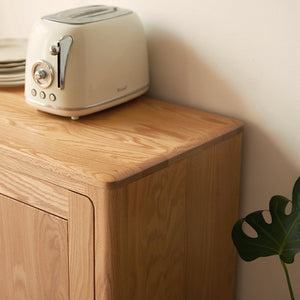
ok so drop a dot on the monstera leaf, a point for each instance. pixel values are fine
(281, 236)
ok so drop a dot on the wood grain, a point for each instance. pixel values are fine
(156, 234)
(167, 235)
(81, 247)
(211, 210)
(35, 192)
(152, 193)
(33, 253)
(108, 208)
(139, 231)
(129, 141)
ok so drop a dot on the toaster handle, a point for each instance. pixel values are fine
(64, 45)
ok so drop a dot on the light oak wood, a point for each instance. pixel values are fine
(212, 197)
(149, 191)
(107, 208)
(33, 253)
(20, 222)
(156, 235)
(122, 143)
(35, 192)
(167, 235)
(81, 247)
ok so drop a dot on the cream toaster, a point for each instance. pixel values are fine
(83, 60)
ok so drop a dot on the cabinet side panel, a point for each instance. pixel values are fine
(168, 235)
(156, 234)
(33, 253)
(212, 208)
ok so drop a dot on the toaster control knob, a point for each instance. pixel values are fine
(42, 73)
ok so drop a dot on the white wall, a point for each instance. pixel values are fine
(239, 58)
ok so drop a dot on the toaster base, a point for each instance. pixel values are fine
(75, 113)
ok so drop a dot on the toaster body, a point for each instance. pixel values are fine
(84, 60)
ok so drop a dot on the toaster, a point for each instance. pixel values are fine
(83, 60)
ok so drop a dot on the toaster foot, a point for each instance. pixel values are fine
(74, 118)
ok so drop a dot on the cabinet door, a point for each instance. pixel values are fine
(46, 241)
(33, 253)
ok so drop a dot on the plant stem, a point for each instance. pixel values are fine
(288, 279)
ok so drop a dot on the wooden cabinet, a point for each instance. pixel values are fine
(33, 253)
(46, 240)
(133, 203)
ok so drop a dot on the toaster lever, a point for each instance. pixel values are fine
(64, 45)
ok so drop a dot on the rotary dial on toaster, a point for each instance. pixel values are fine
(42, 73)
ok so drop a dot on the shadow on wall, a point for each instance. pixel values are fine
(179, 74)
(268, 170)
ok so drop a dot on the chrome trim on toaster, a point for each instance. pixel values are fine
(88, 106)
(64, 44)
(42, 73)
(87, 14)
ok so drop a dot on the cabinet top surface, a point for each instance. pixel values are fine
(108, 146)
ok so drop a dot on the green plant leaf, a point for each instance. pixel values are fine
(281, 236)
